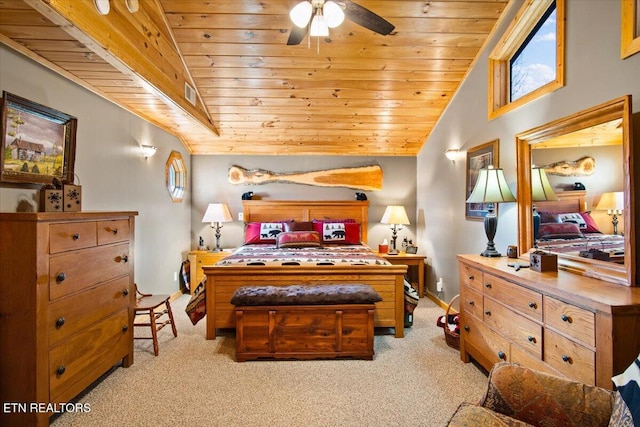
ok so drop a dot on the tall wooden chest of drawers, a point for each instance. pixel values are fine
(558, 322)
(66, 307)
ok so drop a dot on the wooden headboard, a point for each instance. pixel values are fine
(307, 210)
(568, 201)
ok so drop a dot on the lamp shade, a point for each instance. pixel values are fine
(611, 201)
(540, 186)
(217, 212)
(491, 187)
(395, 215)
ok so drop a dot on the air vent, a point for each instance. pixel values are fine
(190, 94)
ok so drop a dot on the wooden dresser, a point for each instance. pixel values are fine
(558, 322)
(66, 306)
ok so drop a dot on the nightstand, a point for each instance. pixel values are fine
(410, 260)
(199, 258)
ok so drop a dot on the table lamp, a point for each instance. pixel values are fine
(541, 191)
(396, 216)
(491, 187)
(613, 203)
(216, 214)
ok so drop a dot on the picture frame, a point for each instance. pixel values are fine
(479, 157)
(411, 249)
(38, 143)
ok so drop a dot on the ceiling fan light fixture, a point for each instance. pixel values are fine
(301, 14)
(333, 14)
(319, 26)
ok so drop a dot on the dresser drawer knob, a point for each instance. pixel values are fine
(466, 328)
(471, 277)
(125, 328)
(125, 292)
(114, 231)
(533, 305)
(61, 277)
(488, 285)
(60, 322)
(471, 303)
(566, 358)
(565, 318)
(487, 312)
(501, 355)
(75, 236)
(531, 338)
(123, 258)
(61, 369)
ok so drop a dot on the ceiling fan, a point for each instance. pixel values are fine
(317, 16)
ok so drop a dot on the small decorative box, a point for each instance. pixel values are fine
(51, 200)
(72, 197)
(542, 261)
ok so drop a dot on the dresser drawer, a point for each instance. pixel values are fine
(76, 362)
(524, 358)
(471, 301)
(570, 358)
(471, 277)
(491, 347)
(71, 236)
(74, 271)
(522, 300)
(70, 315)
(113, 231)
(517, 329)
(570, 320)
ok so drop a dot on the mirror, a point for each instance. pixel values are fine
(565, 133)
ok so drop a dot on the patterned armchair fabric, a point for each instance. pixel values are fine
(526, 397)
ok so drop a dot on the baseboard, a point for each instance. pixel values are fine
(174, 296)
(437, 300)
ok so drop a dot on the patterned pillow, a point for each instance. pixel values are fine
(566, 230)
(298, 239)
(342, 233)
(585, 221)
(628, 388)
(262, 232)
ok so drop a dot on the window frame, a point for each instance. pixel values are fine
(518, 32)
(176, 176)
(629, 43)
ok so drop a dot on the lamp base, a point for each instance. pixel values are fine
(491, 253)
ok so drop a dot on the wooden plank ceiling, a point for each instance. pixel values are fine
(353, 93)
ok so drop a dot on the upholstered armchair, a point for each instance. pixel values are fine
(518, 396)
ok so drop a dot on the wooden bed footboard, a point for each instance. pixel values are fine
(387, 280)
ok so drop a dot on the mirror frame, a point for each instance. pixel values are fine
(614, 109)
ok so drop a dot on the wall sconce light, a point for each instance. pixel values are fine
(452, 154)
(148, 150)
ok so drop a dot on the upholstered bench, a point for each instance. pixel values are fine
(304, 321)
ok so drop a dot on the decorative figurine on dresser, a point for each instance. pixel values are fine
(66, 306)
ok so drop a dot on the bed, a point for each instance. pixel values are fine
(567, 227)
(358, 264)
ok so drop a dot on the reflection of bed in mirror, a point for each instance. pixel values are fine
(567, 227)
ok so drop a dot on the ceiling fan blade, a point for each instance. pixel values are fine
(297, 35)
(363, 16)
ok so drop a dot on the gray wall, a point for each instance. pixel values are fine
(112, 172)
(594, 74)
(210, 184)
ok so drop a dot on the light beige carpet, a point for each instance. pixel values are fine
(414, 381)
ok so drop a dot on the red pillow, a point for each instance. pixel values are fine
(342, 233)
(298, 226)
(262, 232)
(298, 239)
(566, 230)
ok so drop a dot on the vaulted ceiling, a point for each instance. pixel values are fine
(353, 93)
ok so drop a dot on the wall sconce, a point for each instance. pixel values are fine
(452, 154)
(148, 150)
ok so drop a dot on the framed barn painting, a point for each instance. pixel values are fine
(38, 143)
(478, 158)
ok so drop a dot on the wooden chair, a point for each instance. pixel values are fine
(151, 306)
